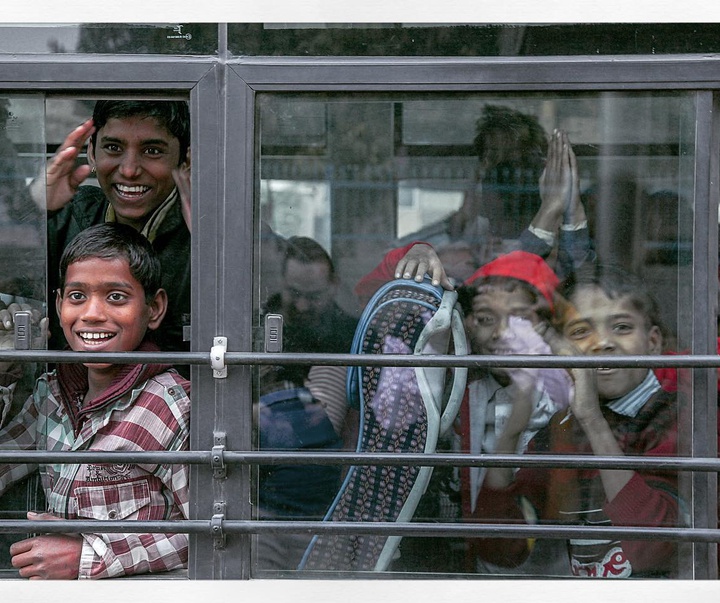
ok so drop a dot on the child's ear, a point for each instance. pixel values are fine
(186, 162)
(158, 307)
(654, 340)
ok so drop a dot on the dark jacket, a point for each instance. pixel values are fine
(172, 244)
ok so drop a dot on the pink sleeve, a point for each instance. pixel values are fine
(382, 273)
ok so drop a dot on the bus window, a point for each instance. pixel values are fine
(576, 179)
(22, 276)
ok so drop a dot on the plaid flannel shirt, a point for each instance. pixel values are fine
(150, 415)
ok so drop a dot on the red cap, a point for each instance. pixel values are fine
(522, 266)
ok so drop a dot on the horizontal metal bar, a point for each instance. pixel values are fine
(471, 361)
(304, 457)
(434, 529)
(477, 74)
(403, 360)
(73, 457)
(478, 460)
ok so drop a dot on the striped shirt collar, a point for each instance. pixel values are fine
(156, 218)
(631, 403)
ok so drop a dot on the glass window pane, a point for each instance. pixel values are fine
(22, 276)
(470, 39)
(110, 38)
(580, 179)
(138, 151)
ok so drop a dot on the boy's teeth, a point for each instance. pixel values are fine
(131, 189)
(96, 335)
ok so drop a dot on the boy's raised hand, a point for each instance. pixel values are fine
(585, 402)
(518, 338)
(521, 338)
(559, 186)
(421, 259)
(181, 175)
(62, 178)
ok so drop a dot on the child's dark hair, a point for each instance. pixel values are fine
(109, 241)
(616, 283)
(174, 116)
(520, 132)
(466, 293)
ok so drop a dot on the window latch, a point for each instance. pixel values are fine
(217, 357)
(273, 333)
(22, 321)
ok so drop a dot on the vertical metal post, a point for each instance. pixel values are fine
(704, 340)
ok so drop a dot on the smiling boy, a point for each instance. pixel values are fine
(139, 153)
(614, 412)
(109, 299)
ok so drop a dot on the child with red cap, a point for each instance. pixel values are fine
(503, 302)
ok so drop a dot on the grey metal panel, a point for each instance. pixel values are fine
(620, 72)
(704, 382)
(235, 293)
(222, 297)
(65, 72)
(206, 135)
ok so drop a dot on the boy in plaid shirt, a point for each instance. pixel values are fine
(109, 299)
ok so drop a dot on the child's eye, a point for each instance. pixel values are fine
(578, 333)
(153, 151)
(117, 297)
(484, 320)
(112, 148)
(75, 296)
(623, 327)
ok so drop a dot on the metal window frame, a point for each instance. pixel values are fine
(222, 96)
(355, 76)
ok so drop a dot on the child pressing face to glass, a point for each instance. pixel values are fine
(601, 322)
(504, 313)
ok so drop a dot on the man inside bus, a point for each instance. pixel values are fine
(313, 322)
(299, 405)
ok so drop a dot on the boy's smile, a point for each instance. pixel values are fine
(135, 158)
(102, 308)
(601, 326)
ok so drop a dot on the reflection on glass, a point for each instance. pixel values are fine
(470, 39)
(22, 274)
(110, 38)
(495, 183)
